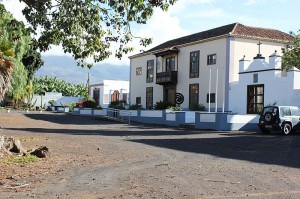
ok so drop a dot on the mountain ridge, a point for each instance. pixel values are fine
(65, 68)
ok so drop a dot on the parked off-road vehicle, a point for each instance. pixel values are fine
(279, 118)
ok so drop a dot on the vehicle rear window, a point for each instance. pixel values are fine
(270, 109)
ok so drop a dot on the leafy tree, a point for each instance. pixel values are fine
(291, 53)
(6, 64)
(18, 90)
(6, 54)
(88, 28)
(32, 61)
(15, 41)
(53, 84)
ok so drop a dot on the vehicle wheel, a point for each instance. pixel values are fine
(286, 129)
(268, 117)
(265, 131)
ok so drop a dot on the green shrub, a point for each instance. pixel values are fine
(162, 105)
(136, 107)
(197, 107)
(71, 106)
(118, 104)
(52, 102)
(174, 108)
(89, 104)
(99, 107)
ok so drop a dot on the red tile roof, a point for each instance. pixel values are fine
(235, 29)
(261, 33)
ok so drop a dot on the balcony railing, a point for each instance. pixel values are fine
(165, 78)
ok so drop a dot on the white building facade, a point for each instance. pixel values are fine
(262, 82)
(200, 67)
(109, 90)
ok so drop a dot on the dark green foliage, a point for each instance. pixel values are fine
(119, 104)
(197, 107)
(32, 61)
(162, 105)
(291, 53)
(87, 28)
(89, 104)
(53, 84)
(136, 107)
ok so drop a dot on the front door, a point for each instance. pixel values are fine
(96, 95)
(170, 93)
(115, 96)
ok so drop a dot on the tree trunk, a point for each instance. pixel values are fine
(9, 145)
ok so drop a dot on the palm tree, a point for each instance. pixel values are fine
(6, 65)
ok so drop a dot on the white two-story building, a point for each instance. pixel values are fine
(201, 66)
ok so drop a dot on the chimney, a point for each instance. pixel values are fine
(244, 64)
(275, 60)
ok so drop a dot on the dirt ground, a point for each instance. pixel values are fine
(92, 158)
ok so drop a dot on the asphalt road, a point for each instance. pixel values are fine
(91, 158)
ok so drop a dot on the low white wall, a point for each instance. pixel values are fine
(43, 101)
(208, 118)
(100, 112)
(85, 111)
(129, 113)
(242, 119)
(146, 113)
(171, 116)
(190, 117)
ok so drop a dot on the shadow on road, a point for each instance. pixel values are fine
(277, 150)
(67, 119)
(134, 131)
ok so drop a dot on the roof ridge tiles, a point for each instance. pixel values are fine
(234, 29)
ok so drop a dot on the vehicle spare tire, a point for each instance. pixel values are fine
(269, 117)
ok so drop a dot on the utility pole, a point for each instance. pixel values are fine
(88, 84)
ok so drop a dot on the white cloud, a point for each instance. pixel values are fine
(15, 7)
(210, 13)
(254, 2)
(161, 28)
(181, 5)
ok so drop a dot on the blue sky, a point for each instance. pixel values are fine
(191, 16)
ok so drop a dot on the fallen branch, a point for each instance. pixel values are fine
(15, 186)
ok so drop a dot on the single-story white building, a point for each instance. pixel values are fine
(263, 82)
(109, 90)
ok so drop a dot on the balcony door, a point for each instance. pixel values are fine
(255, 98)
(169, 93)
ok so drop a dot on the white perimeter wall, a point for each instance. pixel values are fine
(42, 101)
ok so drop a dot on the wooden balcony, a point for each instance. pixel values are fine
(166, 78)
